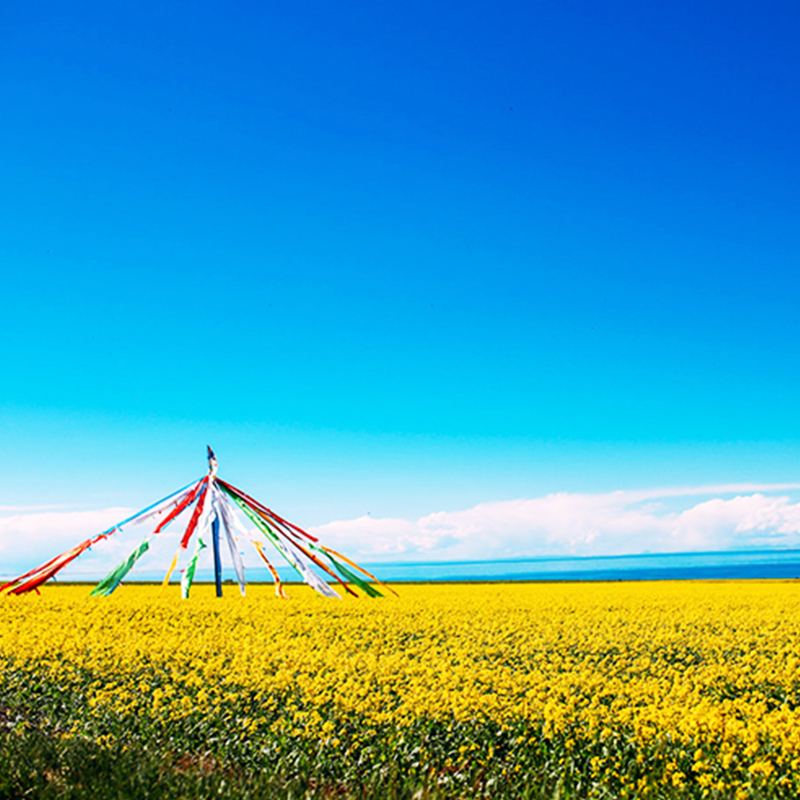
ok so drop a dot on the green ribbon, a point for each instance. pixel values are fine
(188, 573)
(349, 575)
(114, 578)
(268, 532)
(262, 525)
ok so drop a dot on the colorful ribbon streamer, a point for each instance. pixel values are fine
(213, 500)
(188, 574)
(114, 578)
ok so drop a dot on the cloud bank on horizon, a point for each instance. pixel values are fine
(730, 517)
(612, 523)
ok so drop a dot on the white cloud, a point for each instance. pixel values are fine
(580, 524)
(28, 536)
(658, 520)
(27, 540)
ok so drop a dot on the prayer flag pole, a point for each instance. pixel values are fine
(213, 503)
(212, 474)
(217, 562)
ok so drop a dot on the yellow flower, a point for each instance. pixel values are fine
(692, 678)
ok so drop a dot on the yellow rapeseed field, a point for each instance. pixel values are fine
(635, 685)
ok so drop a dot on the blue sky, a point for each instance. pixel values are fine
(400, 258)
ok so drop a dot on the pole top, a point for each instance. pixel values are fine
(212, 462)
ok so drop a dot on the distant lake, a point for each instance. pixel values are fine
(749, 564)
(646, 567)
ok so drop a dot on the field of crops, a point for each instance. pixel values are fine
(568, 690)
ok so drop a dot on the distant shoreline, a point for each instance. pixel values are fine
(708, 565)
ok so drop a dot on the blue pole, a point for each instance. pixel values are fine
(217, 562)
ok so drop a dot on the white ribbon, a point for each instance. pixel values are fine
(310, 577)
